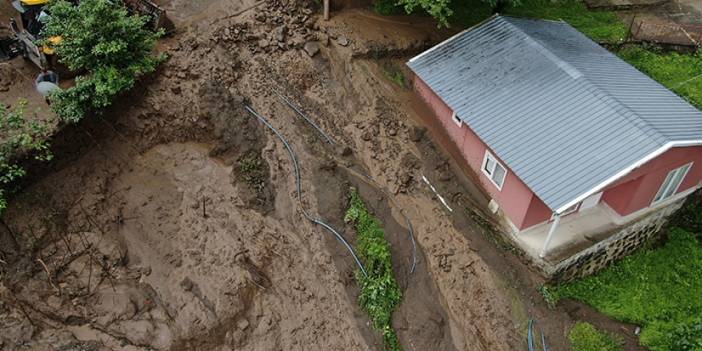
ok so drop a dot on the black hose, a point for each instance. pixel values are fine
(296, 168)
(370, 179)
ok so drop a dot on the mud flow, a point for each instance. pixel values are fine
(171, 221)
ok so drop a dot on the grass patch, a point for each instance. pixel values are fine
(380, 293)
(585, 337)
(601, 26)
(393, 73)
(249, 168)
(680, 73)
(659, 289)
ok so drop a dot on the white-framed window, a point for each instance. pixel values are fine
(494, 170)
(455, 119)
(671, 183)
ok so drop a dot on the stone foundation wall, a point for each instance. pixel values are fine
(618, 245)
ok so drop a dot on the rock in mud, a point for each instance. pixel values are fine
(342, 40)
(416, 133)
(242, 324)
(311, 48)
(323, 39)
(280, 33)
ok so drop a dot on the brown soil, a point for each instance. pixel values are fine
(172, 221)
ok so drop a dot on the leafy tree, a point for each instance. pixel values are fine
(443, 9)
(19, 135)
(101, 38)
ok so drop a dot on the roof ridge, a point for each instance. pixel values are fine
(591, 87)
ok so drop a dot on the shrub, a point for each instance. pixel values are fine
(585, 337)
(101, 38)
(20, 135)
(380, 293)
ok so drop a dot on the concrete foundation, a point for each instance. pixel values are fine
(619, 244)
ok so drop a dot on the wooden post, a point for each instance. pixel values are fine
(326, 10)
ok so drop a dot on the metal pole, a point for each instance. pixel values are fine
(551, 231)
(326, 10)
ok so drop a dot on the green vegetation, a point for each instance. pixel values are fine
(466, 13)
(395, 74)
(380, 293)
(585, 337)
(387, 7)
(690, 216)
(446, 11)
(100, 38)
(679, 72)
(20, 136)
(601, 26)
(657, 288)
(250, 169)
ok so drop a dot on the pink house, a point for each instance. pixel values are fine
(572, 144)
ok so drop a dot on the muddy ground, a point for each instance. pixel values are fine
(171, 222)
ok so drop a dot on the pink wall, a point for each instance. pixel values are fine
(631, 193)
(637, 189)
(516, 200)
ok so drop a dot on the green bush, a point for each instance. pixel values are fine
(585, 337)
(102, 39)
(659, 289)
(380, 293)
(690, 215)
(18, 135)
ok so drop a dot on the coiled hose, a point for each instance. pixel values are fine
(296, 168)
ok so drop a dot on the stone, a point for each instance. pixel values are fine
(280, 33)
(187, 284)
(323, 39)
(346, 151)
(342, 40)
(416, 133)
(311, 48)
(242, 324)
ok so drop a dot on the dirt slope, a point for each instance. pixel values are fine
(172, 221)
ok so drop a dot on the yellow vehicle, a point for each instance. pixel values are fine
(33, 14)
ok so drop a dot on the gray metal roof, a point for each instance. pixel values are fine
(565, 115)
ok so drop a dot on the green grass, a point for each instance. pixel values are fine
(393, 73)
(601, 26)
(380, 293)
(679, 72)
(585, 337)
(659, 289)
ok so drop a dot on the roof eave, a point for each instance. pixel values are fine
(622, 173)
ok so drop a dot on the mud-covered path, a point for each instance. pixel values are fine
(172, 221)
